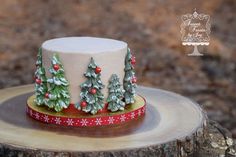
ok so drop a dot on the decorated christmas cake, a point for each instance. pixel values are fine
(85, 81)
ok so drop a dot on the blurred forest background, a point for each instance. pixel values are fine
(152, 29)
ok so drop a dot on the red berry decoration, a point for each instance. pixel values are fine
(133, 60)
(56, 67)
(106, 105)
(38, 81)
(83, 104)
(134, 80)
(98, 70)
(46, 95)
(93, 91)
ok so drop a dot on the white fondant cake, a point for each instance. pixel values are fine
(75, 54)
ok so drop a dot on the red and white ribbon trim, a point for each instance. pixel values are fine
(86, 121)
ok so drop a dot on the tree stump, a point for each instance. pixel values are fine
(172, 126)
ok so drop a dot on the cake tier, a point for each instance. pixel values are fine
(42, 113)
(75, 54)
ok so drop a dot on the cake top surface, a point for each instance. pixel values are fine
(89, 45)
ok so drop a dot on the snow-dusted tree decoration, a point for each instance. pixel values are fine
(130, 80)
(91, 95)
(58, 94)
(116, 94)
(40, 80)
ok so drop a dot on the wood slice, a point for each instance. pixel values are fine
(172, 126)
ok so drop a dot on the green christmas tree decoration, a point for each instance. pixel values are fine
(91, 95)
(116, 94)
(58, 94)
(40, 80)
(129, 82)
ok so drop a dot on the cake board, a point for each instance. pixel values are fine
(172, 126)
(77, 118)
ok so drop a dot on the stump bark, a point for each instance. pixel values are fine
(173, 126)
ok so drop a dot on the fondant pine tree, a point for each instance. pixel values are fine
(58, 95)
(40, 80)
(91, 95)
(116, 94)
(129, 82)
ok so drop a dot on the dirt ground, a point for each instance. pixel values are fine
(152, 29)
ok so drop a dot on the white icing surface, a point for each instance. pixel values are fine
(75, 54)
(88, 45)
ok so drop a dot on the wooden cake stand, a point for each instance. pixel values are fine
(172, 126)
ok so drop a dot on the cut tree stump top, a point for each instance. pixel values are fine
(169, 116)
